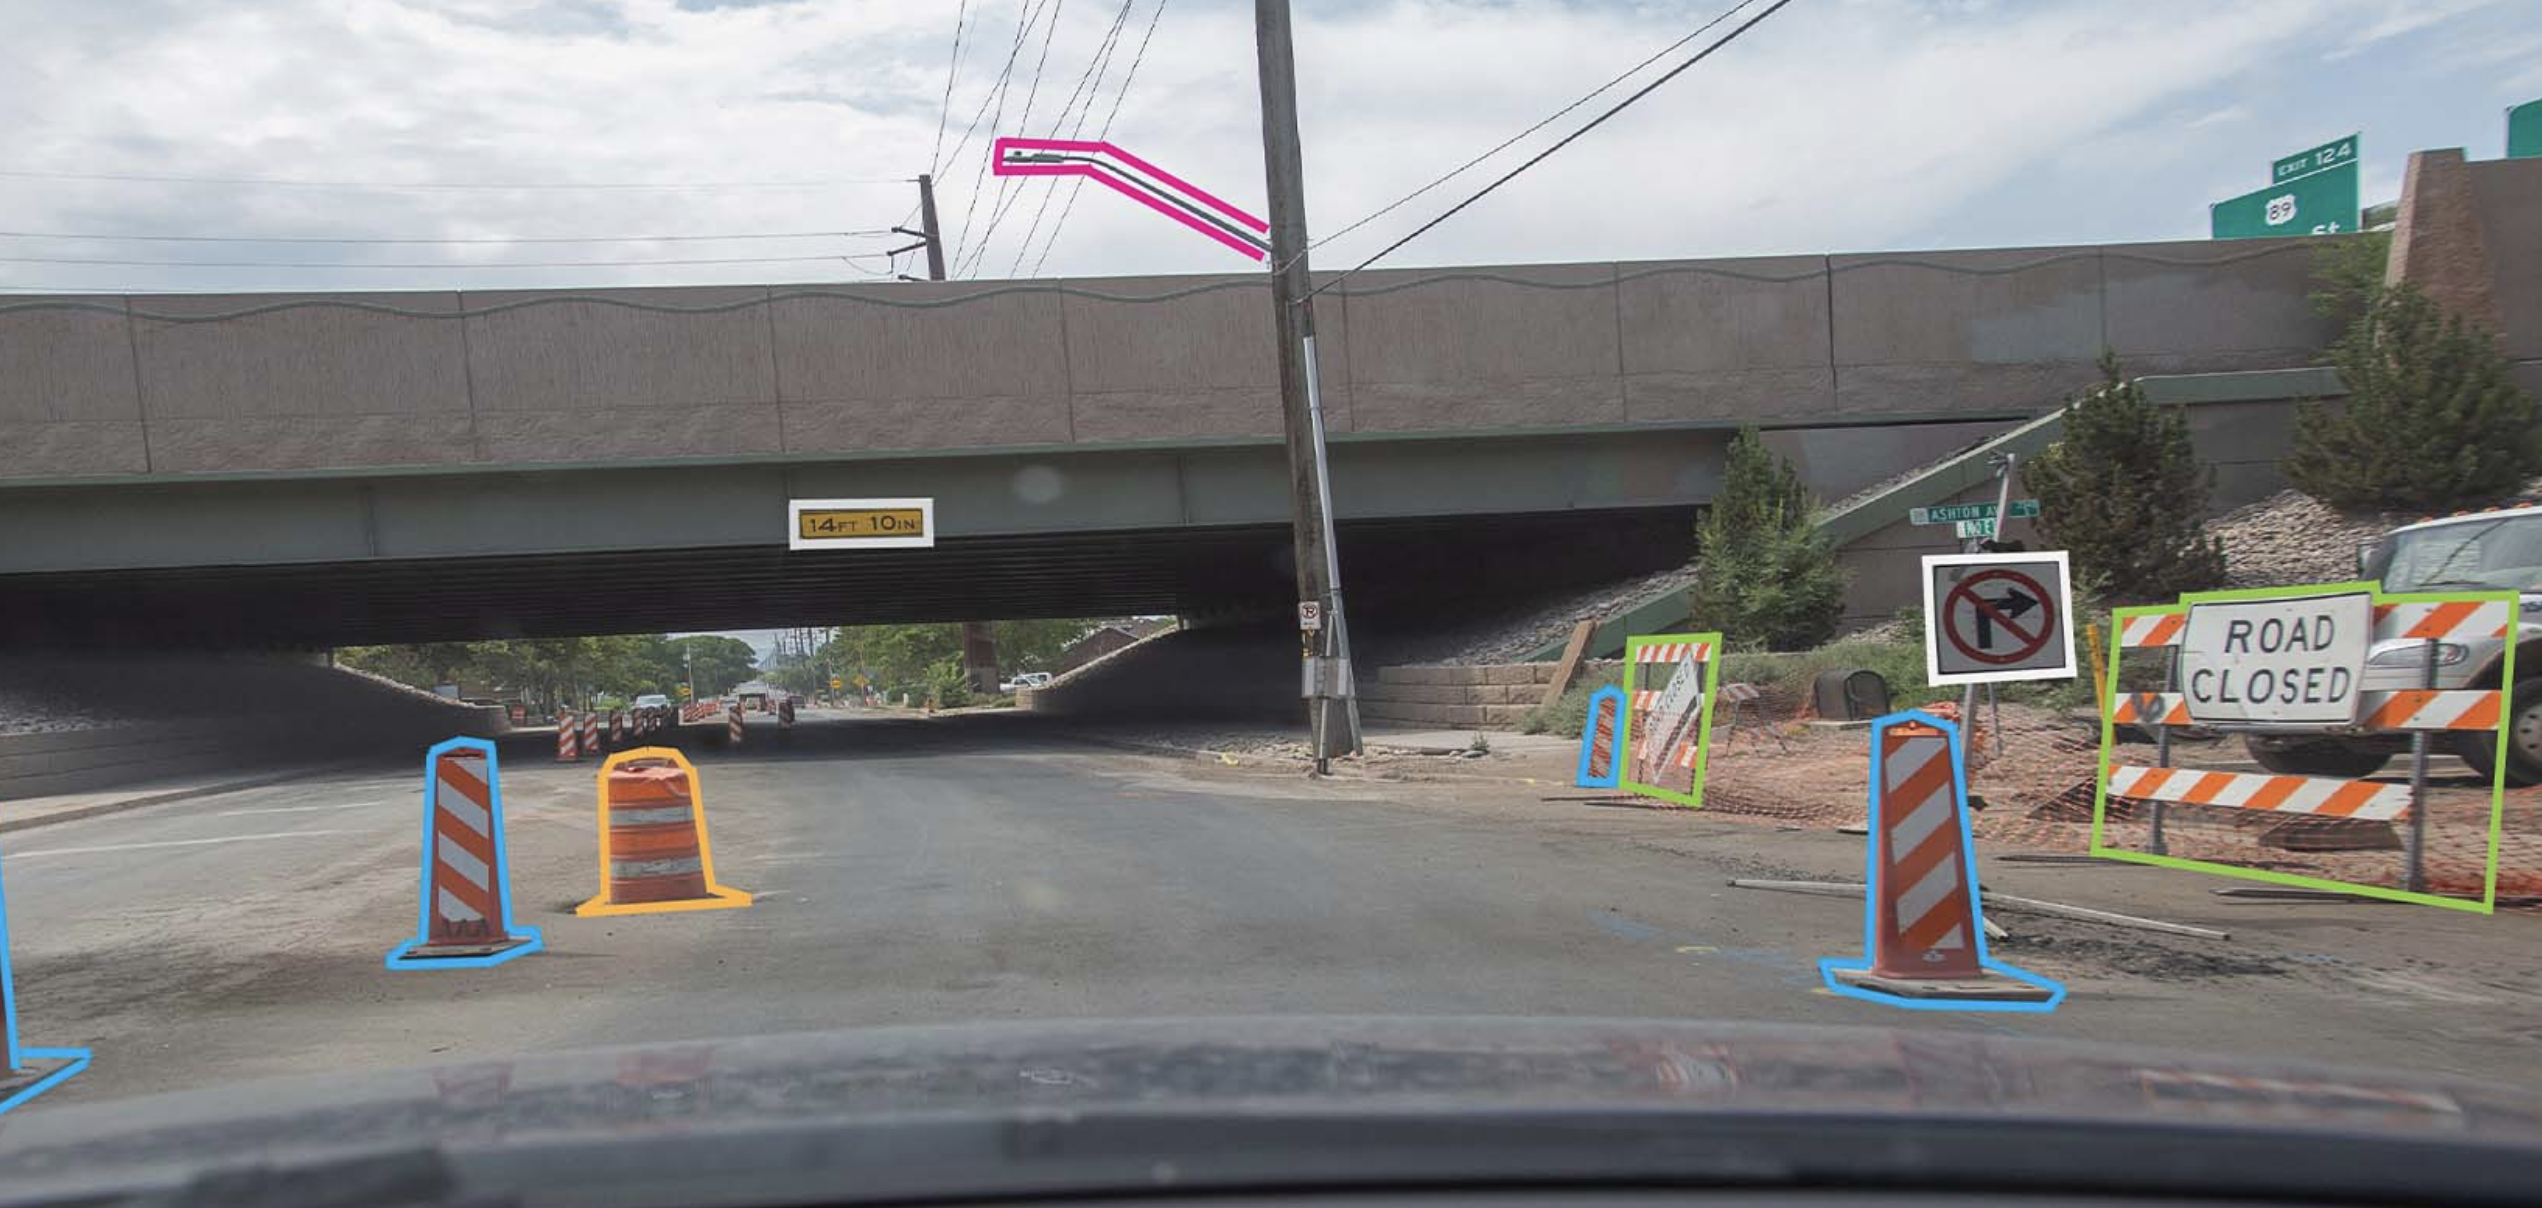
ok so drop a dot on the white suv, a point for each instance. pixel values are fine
(2495, 550)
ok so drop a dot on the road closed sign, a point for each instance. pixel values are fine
(2295, 661)
(1990, 618)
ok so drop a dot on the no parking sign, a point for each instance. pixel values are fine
(1989, 618)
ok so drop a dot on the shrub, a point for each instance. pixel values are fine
(1769, 577)
(948, 684)
(1566, 715)
(2123, 492)
(2432, 421)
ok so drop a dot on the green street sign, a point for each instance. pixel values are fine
(2305, 163)
(2524, 131)
(1953, 513)
(2324, 203)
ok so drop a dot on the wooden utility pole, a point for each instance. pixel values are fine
(1331, 712)
(979, 642)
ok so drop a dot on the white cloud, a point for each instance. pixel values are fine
(1838, 124)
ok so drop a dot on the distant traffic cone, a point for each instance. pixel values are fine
(617, 728)
(467, 901)
(1599, 768)
(785, 714)
(568, 745)
(591, 733)
(654, 854)
(732, 724)
(1924, 941)
(31, 1070)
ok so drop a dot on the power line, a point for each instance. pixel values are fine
(952, 70)
(998, 209)
(488, 239)
(1097, 66)
(1079, 183)
(1549, 119)
(444, 264)
(1565, 141)
(429, 187)
(1024, 22)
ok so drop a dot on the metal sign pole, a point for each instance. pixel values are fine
(2415, 880)
(2162, 743)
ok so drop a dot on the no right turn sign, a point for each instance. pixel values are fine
(1989, 618)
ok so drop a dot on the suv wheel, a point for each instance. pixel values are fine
(2524, 739)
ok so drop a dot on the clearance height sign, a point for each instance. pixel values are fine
(2296, 662)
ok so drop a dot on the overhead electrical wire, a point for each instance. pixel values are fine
(1029, 16)
(1549, 119)
(438, 187)
(1079, 183)
(952, 71)
(1564, 141)
(1005, 184)
(1098, 66)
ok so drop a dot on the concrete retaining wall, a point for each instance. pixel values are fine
(1494, 696)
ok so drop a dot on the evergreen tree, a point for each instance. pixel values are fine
(2123, 493)
(1769, 577)
(2432, 420)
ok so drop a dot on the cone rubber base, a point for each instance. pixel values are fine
(717, 897)
(416, 954)
(1982, 987)
(40, 1070)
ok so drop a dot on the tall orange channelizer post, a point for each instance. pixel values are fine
(654, 853)
(568, 746)
(466, 889)
(1924, 942)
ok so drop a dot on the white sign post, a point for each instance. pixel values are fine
(2297, 661)
(1991, 618)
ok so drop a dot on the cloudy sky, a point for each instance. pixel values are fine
(1837, 125)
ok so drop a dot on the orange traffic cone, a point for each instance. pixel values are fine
(654, 854)
(1925, 944)
(467, 900)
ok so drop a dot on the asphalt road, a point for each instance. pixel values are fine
(932, 871)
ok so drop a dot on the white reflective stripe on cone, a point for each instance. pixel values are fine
(631, 869)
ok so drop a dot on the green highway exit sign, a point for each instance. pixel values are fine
(1953, 513)
(2524, 131)
(2305, 163)
(2323, 203)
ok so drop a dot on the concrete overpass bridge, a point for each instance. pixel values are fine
(318, 469)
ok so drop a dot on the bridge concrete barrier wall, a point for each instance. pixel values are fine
(171, 386)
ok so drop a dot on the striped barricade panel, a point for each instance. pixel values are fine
(2453, 620)
(2408, 709)
(2151, 709)
(2362, 799)
(1671, 652)
(2157, 629)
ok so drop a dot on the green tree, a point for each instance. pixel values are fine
(2348, 274)
(719, 662)
(2123, 492)
(2432, 420)
(1768, 576)
(947, 684)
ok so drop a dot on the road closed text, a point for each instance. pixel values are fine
(2294, 661)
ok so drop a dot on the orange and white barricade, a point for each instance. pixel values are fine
(591, 733)
(732, 724)
(1924, 939)
(568, 739)
(617, 728)
(654, 851)
(1667, 726)
(467, 901)
(2160, 785)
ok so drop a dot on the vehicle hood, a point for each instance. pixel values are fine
(1296, 1065)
